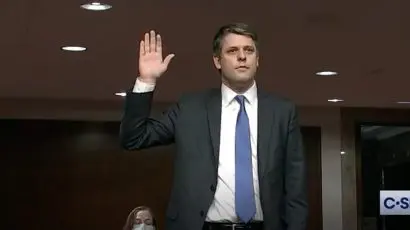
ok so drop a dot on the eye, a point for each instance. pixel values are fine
(250, 49)
(138, 221)
(148, 222)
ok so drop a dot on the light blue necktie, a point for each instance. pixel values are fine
(244, 195)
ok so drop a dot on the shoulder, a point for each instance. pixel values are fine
(198, 100)
(277, 101)
(284, 109)
(198, 96)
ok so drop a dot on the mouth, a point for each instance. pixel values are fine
(242, 67)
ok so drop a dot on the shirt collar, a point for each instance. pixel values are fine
(228, 95)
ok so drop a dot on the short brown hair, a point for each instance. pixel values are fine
(233, 28)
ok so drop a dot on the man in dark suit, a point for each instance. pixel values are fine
(239, 161)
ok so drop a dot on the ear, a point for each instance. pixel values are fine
(257, 61)
(217, 62)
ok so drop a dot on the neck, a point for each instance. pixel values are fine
(238, 87)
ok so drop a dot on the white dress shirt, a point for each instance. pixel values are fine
(223, 207)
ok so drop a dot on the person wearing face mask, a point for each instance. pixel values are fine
(141, 218)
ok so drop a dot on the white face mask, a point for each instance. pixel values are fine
(143, 227)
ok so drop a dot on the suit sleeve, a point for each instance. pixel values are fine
(138, 130)
(295, 177)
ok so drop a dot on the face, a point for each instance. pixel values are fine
(144, 217)
(238, 60)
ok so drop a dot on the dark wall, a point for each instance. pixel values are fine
(73, 175)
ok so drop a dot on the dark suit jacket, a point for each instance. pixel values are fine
(193, 124)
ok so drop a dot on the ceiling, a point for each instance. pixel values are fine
(366, 41)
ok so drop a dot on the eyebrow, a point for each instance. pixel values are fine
(246, 46)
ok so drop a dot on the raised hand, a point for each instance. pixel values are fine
(151, 63)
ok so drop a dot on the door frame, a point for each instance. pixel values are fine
(352, 118)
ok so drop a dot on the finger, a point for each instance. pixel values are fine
(168, 59)
(159, 44)
(152, 43)
(146, 43)
(142, 49)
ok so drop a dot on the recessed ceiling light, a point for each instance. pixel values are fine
(335, 100)
(121, 94)
(326, 73)
(403, 102)
(74, 48)
(342, 152)
(96, 6)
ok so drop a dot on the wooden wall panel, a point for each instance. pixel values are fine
(73, 175)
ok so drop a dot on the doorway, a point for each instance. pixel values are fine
(385, 157)
(312, 142)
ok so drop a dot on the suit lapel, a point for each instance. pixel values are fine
(214, 122)
(266, 118)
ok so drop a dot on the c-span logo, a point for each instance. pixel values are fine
(394, 202)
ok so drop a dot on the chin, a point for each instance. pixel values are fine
(239, 79)
(243, 79)
(242, 82)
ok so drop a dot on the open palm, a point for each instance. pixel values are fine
(151, 63)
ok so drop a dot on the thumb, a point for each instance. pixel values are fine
(168, 59)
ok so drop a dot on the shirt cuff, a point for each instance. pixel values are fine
(142, 87)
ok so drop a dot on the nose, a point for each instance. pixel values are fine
(241, 55)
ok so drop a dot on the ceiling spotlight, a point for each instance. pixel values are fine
(342, 152)
(121, 94)
(96, 6)
(326, 73)
(74, 48)
(403, 102)
(335, 100)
